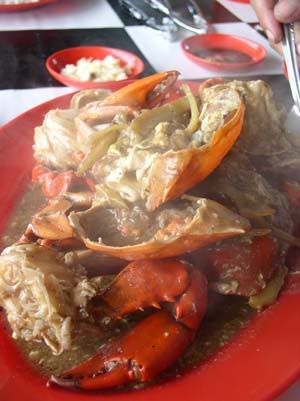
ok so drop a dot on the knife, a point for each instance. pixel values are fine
(187, 14)
(289, 51)
(152, 17)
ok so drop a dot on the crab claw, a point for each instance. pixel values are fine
(156, 342)
(150, 347)
(239, 268)
(146, 92)
(164, 280)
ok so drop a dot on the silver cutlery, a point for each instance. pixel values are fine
(289, 51)
(187, 14)
(168, 16)
(152, 17)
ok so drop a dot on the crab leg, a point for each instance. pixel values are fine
(52, 221)
(56, 184)
(240, 268)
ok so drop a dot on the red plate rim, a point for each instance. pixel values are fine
(72, 54)
(24, 6)
(262, 360)
(241, 1)
(254, 50)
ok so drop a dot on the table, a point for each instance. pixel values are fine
(28, 38)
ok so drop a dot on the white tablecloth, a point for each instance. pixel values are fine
(164, 55)
(242, 11)
(64, 14)
(14, 102)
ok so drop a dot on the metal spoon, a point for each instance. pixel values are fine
(289, 51)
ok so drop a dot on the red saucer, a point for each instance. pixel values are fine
(24, 6)
(241, 1)
(60, 59)
(199, 43)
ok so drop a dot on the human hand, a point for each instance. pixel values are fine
(271, 13)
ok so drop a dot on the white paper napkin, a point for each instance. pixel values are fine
(63, 14)
(242, 11)
(164, 55)
(14, 102)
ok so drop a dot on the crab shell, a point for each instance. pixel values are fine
(210, 223)
(174, 172)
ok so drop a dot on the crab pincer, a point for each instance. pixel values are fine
(158, 340)
(146, 92)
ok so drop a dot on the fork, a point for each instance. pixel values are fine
(289, 51)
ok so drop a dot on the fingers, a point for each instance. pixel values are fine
(271, 13)
(265, 13)
(278, 47)
(287, 11)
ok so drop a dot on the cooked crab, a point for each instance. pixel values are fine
(152, 155)
(115, 168)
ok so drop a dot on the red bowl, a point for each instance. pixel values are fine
(241, 1)
(60, 59)
(24, 6)
(193, 44)
(257, 364)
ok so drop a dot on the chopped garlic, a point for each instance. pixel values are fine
(88, 69)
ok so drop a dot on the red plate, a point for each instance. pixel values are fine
(58, 60)
(24, 6)
(260, 361)
(196, 43)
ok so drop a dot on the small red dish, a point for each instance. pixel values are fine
(24, 6)
(60, 59)
(241, 1)
(248, 51)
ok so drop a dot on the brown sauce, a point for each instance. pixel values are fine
(228, 317)
(121, 227)
(225, 317)
(222, 55)
(32, 200)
